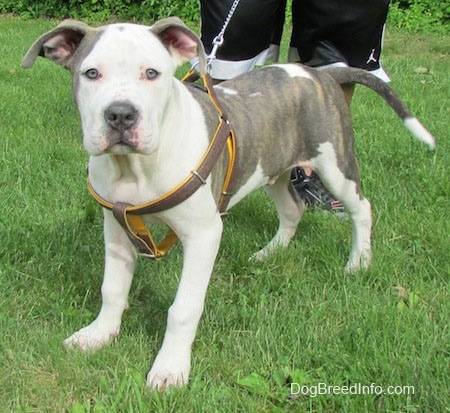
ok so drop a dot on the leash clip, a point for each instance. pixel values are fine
(218, 40)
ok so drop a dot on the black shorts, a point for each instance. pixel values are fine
(324, 32)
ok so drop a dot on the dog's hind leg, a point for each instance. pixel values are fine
(359, 209)
(289, 211)
(347, 190)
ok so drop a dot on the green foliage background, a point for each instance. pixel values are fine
(411, 15)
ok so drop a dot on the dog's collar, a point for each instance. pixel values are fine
(130, 216)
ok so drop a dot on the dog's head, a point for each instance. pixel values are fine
(122, 78)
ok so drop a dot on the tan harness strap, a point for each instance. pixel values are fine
(226, 194)
(139, 234)
(130, 216)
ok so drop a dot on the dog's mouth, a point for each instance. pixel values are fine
(122, 142)
(120, 148)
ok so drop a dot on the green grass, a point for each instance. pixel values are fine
(294, 317)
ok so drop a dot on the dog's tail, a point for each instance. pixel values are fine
(344, 75)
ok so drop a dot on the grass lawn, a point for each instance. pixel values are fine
(294, 318)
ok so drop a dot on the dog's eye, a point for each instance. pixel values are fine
(151, 74)
(92, 74)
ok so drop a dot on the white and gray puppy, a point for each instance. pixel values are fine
(145, 131)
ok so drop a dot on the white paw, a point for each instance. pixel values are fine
(358, 263)
(169, 371)
(261, 255)
(91, 337)
(280, 240)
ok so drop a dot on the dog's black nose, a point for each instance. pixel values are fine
(121, 115)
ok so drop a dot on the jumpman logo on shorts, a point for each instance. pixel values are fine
(371, 57)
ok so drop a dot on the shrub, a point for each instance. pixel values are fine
(103, 10)
(410, 15)
(420, 15)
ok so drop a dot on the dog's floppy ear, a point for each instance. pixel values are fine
(58, 44)
(180, 40)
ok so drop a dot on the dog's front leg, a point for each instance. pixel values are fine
(120, 261)
(173, 362)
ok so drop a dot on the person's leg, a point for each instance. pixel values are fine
(277, 32)
(348, 89)
(247, 37)
(339, 31)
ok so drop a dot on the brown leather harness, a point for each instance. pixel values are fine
(130, 216)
